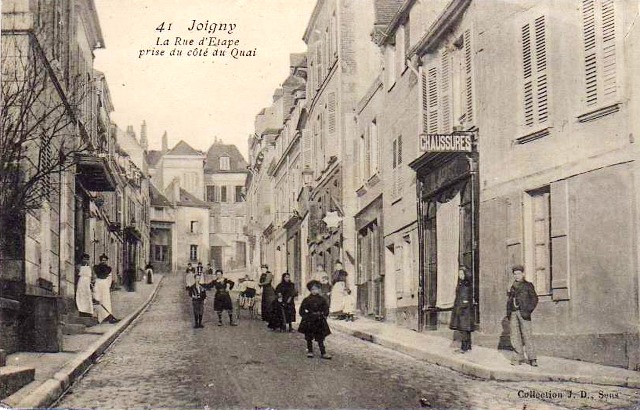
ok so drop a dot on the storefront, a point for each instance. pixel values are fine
(370, 263)
(447, 192)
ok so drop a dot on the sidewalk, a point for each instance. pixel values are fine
(55, 372)
(483, 362)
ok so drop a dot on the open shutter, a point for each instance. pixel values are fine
(331, 109)
(541, 70)
(468, 61)
(399, 168)
(528, 77)
(394, 189)
(590, 59)
(432, 97)
(425, 103)
(609, 85)
(445, 89)
(307, 149)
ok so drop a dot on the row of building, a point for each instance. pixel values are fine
(413, 137)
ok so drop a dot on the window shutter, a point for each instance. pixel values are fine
(394, 189)
(445, 89)
(399, 169)
(367, 154)
(307, 148)
(527, 69)
(432, 96)
(608, 49)
(425, 103)
(331, 108)
(590, 60)
(541, 66)
(535, 92)
(468, 57)
(373, 136)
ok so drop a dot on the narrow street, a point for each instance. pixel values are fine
(161, 361)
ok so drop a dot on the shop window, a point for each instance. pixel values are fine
(193, 252)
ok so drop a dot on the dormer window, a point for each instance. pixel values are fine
(224, 163)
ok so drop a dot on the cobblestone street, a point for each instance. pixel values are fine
(161, 361)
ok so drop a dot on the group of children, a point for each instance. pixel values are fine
(197, 286)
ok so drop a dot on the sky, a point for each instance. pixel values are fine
(197, 98)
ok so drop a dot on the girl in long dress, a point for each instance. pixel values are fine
(341, 306)
(222, 299)
(268, 293)
(84, 298)
(288, 290)
(462, 317)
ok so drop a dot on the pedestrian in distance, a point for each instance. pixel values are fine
(288, 290)
(149, 272)
(222, 299)
(278, 314)
(522, 301)
(462, 317)
(102, 290)
(200, 268)
(84, 288)
(198, 294)
(268, 293)
(341, 306)
(190, 268)
(319, 273)
(247, 292)
(314, 311)
(325, 289)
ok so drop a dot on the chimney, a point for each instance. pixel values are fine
(165, 143)
(144, 143)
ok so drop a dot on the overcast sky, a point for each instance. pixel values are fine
(197, 98)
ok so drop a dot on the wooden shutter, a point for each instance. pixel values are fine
(425, 103)
(534, 68)
(399, 168)
(468, 61)
(331, 109)
(541, 68)
(528, 77)
(432, 97)
(590, 59)
(541, 241)
(394, 189)
(445, 90)
(608, 49)
(600, 54)
(367, 154)
(307, 149)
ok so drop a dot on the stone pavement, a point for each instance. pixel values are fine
(483, 362)
(56, 371)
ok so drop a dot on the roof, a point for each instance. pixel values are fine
(153, 157)
(237, 162)
(298, 60)
(157, 199)
(182, 148)
(386, 10)
(187, 199)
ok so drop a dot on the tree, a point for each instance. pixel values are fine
(40, 135)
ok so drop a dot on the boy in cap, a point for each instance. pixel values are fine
(314, 311)
(522, 300)
(198, 294)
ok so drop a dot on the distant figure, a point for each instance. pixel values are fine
(198, 294)
(190, 268)
(221, 299)
(522, 301)
(340, 294)
(325, 289)
(268, 293)
(314, 311)
(102, 290)
(200, 269)
(277, 314)
(319, 273)
(149, 272)
(247, 289)
(86, 279)
(462, 317)
(288, 290)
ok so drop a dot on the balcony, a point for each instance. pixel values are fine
(93, 172)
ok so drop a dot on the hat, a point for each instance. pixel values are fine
(103, 256)
(517, 268)
(313, 284)
(264, 266)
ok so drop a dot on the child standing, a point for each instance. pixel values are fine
(198, 294)
(314, 311)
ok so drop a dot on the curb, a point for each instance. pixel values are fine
(478, 370)
(48, 392)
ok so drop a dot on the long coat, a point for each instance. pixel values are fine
(268, 294)
(314, 311)
(462, 317)
(288, 291)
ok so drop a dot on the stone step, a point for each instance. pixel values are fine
(13, 378)
(73, 328)
(80, 320)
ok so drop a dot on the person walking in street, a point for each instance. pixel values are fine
(314, 311)
(102, 290)
(198, 294)
(462, 317)
(149, 272)
(222, 299)
(84, 294)
(522, 301)
(340, 306)
(288, 290)
(268, 293)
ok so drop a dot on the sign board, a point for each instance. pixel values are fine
(446, 142)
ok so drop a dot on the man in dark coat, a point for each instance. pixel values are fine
(522, 301)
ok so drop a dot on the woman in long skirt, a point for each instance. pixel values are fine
(268, 293)
(222, 299)
(288, 290)
(84, 297)
(462, 317)
(341, 306)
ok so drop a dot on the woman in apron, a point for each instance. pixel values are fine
(84, 298)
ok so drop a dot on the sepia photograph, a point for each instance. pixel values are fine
(320, 204)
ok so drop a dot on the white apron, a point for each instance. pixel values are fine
(340, 300)
(102, 293)
(83, 291)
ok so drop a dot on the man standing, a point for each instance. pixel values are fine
(521, 303)
(102, 290)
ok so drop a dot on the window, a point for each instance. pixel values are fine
(223, 194)
(160, 253)
(193, 252)
(600, 53)
(535, 98)
(398, 262)
(224, 163)
(239, 193)
(193, 227)
(212, 193)
(538, 239)
(239, 224)
(400, 52)
(373, 148)
(390, 67)
(396, 167)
